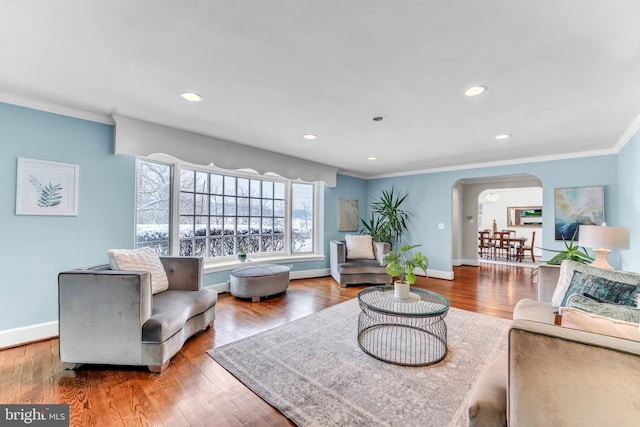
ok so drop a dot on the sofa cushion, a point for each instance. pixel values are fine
(172, 309)
(615, 311)
(361, 266)
(537, 311)
(359, 247)
(568, 267)
(141, 259)
(577, 319)
(602, 288)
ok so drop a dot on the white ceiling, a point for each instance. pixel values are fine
(563, 75)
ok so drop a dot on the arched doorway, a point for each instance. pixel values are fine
(467, 218)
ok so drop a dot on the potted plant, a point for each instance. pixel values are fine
(242, 254)
(572, 251)
(388, 220)
(399, 264)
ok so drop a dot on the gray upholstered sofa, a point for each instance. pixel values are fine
(557, 376)
(111, 317)
(348, 271)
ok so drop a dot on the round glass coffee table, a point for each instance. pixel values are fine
(408, 332)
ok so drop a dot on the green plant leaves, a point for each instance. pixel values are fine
(49, 195)
(572, 252)
(388, 221)
(398, 264)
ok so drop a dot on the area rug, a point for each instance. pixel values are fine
(313, 371)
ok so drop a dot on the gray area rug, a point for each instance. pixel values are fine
(313, 371)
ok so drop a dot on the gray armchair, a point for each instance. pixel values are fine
(111, 317)
(347, 271)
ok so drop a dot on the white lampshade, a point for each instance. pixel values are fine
(602, 239)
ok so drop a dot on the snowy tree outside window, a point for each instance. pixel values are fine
(219, 214)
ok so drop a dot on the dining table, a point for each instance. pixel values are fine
(508, 243)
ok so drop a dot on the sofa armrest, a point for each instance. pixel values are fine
(101, 313)
(184, 273)
(561, 376)
(380, 249)
(547, 280)
(337, 255)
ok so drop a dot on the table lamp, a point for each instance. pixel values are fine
(602, 239)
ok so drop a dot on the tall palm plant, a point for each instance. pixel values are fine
(388, 220)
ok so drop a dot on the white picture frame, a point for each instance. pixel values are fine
(46, 188)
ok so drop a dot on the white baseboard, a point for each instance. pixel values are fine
(308, 274)
(439, 274)
(27, 334)
(220, 287)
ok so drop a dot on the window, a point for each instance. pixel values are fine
(153, 205)
(218, 213)
(302, 217)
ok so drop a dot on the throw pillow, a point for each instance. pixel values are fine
(615, 311)
(568, 267)
(359, 247)
(604, 289)
(577, 319)
(141, 259)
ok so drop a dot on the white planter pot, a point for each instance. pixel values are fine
(401, 290)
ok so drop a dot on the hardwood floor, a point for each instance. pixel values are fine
(195, 390)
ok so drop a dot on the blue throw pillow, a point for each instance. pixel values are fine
(615, 311)
(601, 288)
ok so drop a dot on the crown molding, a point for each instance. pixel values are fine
(51, 107)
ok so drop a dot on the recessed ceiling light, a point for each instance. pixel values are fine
(475, 90)
(503, 136)
(310, 136)
(191, 96)
(372, 158)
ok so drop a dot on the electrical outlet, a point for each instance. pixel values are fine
(290, 266)
(441, 226)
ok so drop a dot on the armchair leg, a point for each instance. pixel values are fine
(159, 369)
(70, 365)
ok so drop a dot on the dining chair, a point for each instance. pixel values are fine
(501, 245)
(528, 248)
(485, 246)
(513, 250)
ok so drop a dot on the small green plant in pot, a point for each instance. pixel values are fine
(242, 254)
(402, 265)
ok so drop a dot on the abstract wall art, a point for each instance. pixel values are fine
(349, 216)
(576, 206)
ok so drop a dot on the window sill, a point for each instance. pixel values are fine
(230, 264)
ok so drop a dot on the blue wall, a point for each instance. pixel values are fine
(36, 248)
(346, 188)
(629, 201)
(430, 199)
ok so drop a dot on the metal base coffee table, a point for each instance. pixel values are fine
(408, 332)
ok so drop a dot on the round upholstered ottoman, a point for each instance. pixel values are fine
(257, 281)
